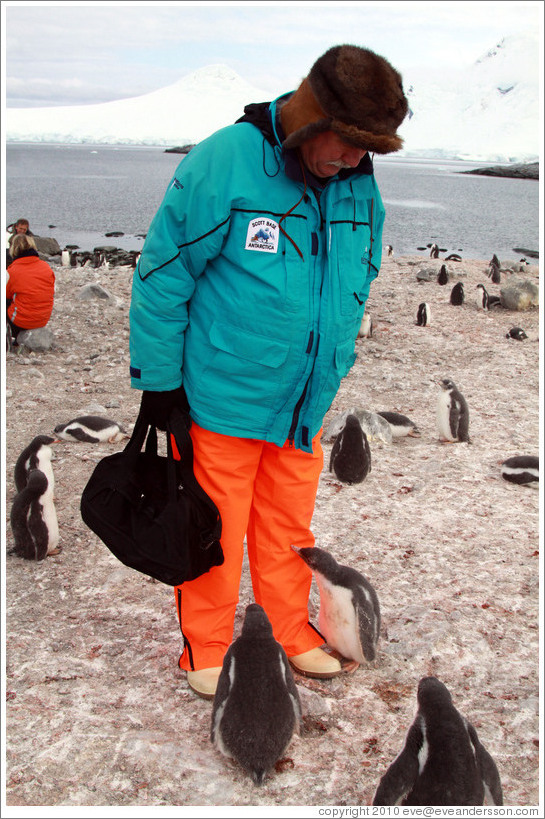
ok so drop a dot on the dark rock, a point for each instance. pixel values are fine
(533, 254)
(184, 149)
(47, 246)
(114, 233)
(529, 170)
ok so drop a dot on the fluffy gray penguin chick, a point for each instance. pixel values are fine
(349, 615)
(256, 707)
(442, 762)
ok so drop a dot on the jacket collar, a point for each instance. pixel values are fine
(266, 117)
(24, 253)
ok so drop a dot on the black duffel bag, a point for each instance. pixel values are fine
(149, 509)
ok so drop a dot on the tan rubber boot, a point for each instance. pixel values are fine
(316, 663)
(204, 682)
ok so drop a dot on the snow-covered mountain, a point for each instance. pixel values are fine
(486, 112)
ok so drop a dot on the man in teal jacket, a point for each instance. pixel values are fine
(246, 303)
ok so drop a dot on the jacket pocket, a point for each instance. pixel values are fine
(248, 346)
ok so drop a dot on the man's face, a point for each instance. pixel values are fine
(21, 228)
(326, 153)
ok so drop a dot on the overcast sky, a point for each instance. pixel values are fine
(69, 53)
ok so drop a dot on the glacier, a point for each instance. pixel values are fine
(486, 112)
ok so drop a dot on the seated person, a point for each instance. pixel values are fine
(30, 287)
(16, 229)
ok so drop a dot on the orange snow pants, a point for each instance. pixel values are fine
(266, 493)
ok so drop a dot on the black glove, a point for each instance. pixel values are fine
(157, 406)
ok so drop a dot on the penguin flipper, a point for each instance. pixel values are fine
(487, 767)
(334, 451)
(20, 472)
(220, 699)
(291, 687)
(399, 779)
(39, 534)
(367, 630)
(454, 419)
(79, 435)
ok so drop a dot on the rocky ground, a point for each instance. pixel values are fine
(97, 711)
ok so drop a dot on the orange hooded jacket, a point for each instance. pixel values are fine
(31, 288)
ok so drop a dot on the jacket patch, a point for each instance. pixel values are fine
(262, 235)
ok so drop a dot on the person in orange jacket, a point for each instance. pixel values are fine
(30, 287)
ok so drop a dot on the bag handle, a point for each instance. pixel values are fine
(177, 427)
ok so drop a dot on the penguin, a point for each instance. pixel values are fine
(521, 469)
(516, 333)
(37, 455)
(434, 251)
(349, 617)
(366, 327)
(443, 761)
(482, 297)
(457, 294)
(375, 427)
(256, 707)
(389, 250)
(400, 425)
(65, 258)
(91, 429)
(33, 519)
(495, 275)
(442, 276)
(493, 301)
(452, 413)
(453, 257)
(351, 456)
(423, 316)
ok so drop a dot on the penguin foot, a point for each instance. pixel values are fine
(317, 664)
(347, 666)
(56, 551)
(204, 682)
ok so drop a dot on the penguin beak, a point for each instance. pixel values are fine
(296, 548)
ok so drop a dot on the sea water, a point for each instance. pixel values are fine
(79, 193)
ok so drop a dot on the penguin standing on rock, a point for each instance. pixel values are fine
(349, 615)
(443, 761)
(457, 294)
(33, 519)
(350, 455)
(452, 413)
(92, 429)
(256, 706)
(423, 316)
(37, 455)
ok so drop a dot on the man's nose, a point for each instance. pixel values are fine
(353, 156)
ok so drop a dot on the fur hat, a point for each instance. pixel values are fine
(352, 91)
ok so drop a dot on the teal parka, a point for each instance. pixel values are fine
(252, 282)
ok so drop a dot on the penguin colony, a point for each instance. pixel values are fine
(33, 517)
(256, 708)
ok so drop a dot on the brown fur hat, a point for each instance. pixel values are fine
(352, 91)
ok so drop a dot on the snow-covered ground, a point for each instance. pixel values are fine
(98, 713)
